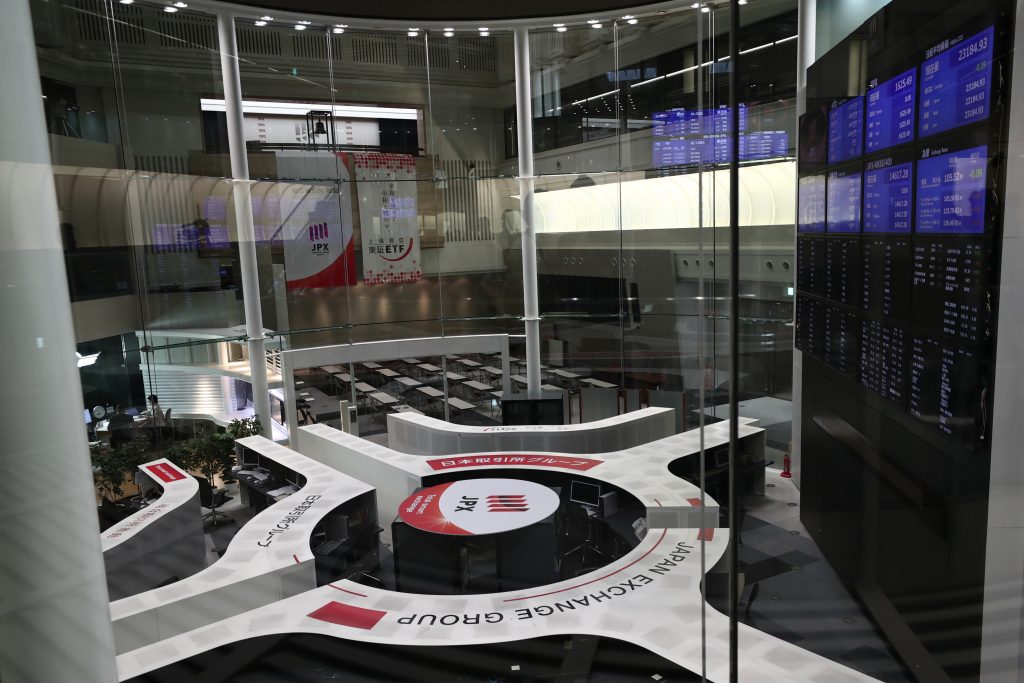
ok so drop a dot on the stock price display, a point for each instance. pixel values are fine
(810, 265)
(811, 204)
(883, 366)
(842, 213)
(945, 391)
(888, 189)
(948, 288)
(845, 122)
(956, 83)
(951, 191)
(842, 270)
(890, 118)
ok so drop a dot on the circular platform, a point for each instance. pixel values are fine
(475, 507)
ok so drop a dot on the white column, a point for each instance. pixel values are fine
(524, 126)
(243, 218)
(54, 609)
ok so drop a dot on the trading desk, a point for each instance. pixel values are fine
(270, 558)
(162, 541)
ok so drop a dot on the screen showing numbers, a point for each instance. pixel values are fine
(890, 117)
(888, 190)
(951, 192)
(845, 123)
(956, 84)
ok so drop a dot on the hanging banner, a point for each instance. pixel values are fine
(316, 223)
(386, 187)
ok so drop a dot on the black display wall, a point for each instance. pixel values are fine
(901, 163)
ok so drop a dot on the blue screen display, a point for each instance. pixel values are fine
(951, 192)
(681, 122)
(845, 140)
(956, 83)
(888, 189)
(811, 204)
(843, 205)
(890, 117)
(715, 149)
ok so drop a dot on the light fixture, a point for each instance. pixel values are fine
(628, 16)
(259, 22)
(484, 34)
(591, 21)
(305, 23)
(705, 9)
(449, 34)
(561, 29)
(300, 27)
(631, 20)
(558, 25)
(695, 5)
(338, 29)
(597, 25)
(448, 28)
(180, 4)
(86, 361)
(483, 29)
(127, 2)
(413, 33)
(170, 10)
(265, 18)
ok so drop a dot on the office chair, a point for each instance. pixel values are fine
(578, 527)
(168, 428)
(210, 499)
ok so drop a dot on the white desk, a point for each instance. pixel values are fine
(383, 398)
(411, 361)
(469, 363)
(455, 377)
(494, 372)
(331, 369)
(427, 367)
(344, 377)
(460, 404)
(408, 381)
(389, 374)
(519, 379)
(551, 387)
(365, 388)
(479, 386)
(430, 391)
(370, 365)
(599, 384)
(169, 528)
(565, 374)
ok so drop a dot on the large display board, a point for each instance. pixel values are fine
(899, 224)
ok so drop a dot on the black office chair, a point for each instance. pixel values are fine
(211, 500)
(578, 527)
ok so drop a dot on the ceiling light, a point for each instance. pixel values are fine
(483, 29)
(591, 21)
(597, 25)
(170, 10)
(127, 2)
(257, 23)
(742, 2)
(449, 34)
(413, 34)
(484, 34)
(342, 25)
(305, 23)
(705, 9)
(628, 16)
(631, 21)
(300, 27)
(338, 29)
(448, 28)
(561, 29)
(695, 5)
(265, 18)
(180, 4)
(557, 25)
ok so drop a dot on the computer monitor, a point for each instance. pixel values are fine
(250, 458)
(132, 411)
(87, 414)
(585, 493)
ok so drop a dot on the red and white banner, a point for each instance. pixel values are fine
(478, 506)
(316, 225)
(165, 472)
(388, 222)
(515, 460)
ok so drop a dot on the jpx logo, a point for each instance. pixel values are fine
(318, 235)
(507, 503)
(467, 504)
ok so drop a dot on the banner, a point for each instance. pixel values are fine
(316, 225)
(386, 186)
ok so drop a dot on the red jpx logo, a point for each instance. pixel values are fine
(507, 503)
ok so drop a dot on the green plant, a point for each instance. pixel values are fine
(246, 426)
(111, 466)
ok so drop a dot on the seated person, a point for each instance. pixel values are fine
(306, 416)
(120, 427)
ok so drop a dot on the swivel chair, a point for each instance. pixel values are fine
(578, 527)
(211, 500)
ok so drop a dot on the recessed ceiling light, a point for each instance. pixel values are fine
(413, 34)
(631, 21)
(484, 34)
(338, 29)
(127, 2)
(695, 5)
(260, 23)
(180, 4)
(449, 34)
(705, 9)
(266, 18)
(558, 25)
(342, 25)
(591, 21)
(561, 29)
(597, 25)
(300, 27)
(170, 10)
(305, 23)
(448, 28)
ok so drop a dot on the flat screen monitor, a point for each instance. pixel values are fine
(890, 116)
(87, 414)
(132, 412)
(250, 457)
(845, 130)
(585, 493)
(843, 201)
(951, 191)
(888, 189)
(811, 204)
(956, 82)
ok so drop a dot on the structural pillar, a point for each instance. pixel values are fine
(524, 117)
(242, 193)
(54, 607)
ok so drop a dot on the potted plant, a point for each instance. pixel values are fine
(112, 466)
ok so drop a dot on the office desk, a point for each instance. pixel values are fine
(169, 527)
(387, 373)
(598, 383)
(427, 367)
(479, 386)
(518, 379)
(344, 377)
(454, 377)
(459, 404)
(365, 388)
(384, 399)
(565, 374)
(492, 371)
(370, 365)
(469, 363)
(404, 408)
(430, 391)
(411, 361)
(331, 369)
(408, 381)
